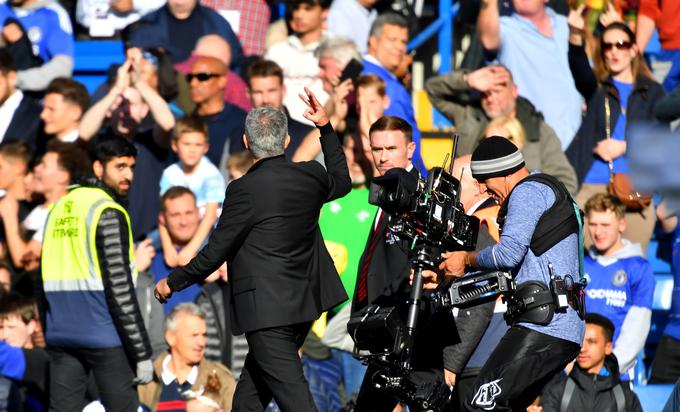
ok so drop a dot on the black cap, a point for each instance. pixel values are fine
(495, 156)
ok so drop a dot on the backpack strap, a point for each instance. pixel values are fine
(619, 398)
(557, 222)
(569, 388)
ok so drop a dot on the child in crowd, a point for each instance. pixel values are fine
(238, 164)
(19, 325)
(18, 321)
(196, 172)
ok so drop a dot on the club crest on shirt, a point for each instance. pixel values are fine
(619, 278)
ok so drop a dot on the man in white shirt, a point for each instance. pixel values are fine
(104, 18)
(297, 57)
(353, 19)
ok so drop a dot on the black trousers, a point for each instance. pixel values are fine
(273, 369)
(666, 364)
(518, 369)
(69, 371)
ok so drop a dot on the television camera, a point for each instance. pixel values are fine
(428, 214)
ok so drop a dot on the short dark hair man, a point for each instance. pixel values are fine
(66, 101)
(266, 88)
(281, 276)
(384, 267)
(20, 112)
(296, 55)
(532, 250)
(593, 384)
(386, 50)
(93, 320)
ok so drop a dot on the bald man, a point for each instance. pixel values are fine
(212, 45)
(207, 82)
(479, 327)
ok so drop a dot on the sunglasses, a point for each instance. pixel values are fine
(201, 77)
(620, 45)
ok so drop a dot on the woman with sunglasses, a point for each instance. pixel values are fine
(620, 92)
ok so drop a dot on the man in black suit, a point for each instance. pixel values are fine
(19, 114)
(281, 277)
(383, 274)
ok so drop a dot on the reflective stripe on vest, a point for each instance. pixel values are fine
(70, 261)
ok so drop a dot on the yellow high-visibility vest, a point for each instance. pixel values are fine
(70, 259)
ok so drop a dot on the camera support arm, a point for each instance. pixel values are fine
(421, 262)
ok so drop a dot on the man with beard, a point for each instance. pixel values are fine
(93, 321)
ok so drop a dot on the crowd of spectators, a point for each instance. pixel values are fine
(567, 89)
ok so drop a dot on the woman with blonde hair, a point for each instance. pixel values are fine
(544, 154)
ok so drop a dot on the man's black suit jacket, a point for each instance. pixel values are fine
(26, 125)
(388, 285)
(280, 272)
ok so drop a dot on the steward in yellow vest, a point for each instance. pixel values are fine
(92, 318)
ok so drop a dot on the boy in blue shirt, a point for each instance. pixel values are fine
(196, 172)
(620, 280)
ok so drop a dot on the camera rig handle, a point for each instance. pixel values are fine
(421, 261)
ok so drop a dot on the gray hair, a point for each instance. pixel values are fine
(187, 308)
(392, 19)
(266, 130)
(340, 49)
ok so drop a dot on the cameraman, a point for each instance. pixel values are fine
(540, 228)
(383, 273)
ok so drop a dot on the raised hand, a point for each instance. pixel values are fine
(575, 20)
(486, 78)
(611, 15)
(315, 112)
(122, 77)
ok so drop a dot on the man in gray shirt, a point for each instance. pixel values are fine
(539, 238)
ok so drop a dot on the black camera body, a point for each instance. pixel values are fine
(426, 211)
(428, 214)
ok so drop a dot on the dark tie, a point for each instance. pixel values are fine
(362, 293)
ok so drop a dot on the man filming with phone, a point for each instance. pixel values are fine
(540, 245)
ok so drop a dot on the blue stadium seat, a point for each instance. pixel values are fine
(653, 397)
(92, 60)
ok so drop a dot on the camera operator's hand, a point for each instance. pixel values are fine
(449, 378)
(454, 263)
(315, 112)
